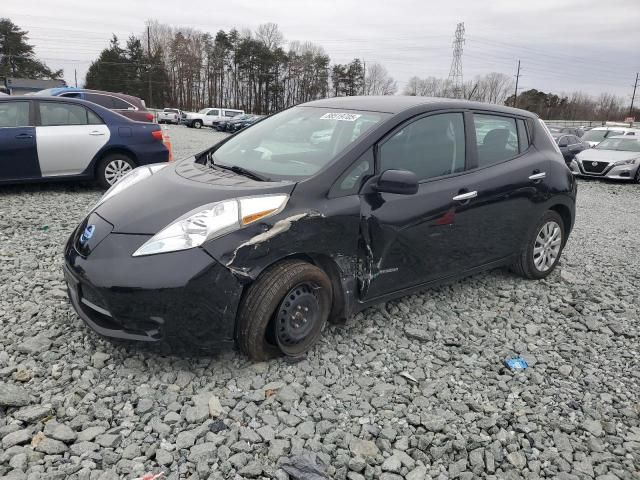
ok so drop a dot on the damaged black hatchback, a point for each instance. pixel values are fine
(316, 213)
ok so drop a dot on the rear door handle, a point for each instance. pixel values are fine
(538, 176)
(465, 196)
(23, 136)
(96, 133)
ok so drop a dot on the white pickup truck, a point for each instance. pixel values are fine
(169, 115)
(209, 116)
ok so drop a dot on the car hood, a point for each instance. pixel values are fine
(597, 155)
(151, 204)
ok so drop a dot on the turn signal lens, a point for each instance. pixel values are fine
(246, 220)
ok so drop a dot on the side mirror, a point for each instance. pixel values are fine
(401, 182)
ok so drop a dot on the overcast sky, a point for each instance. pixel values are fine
(564, 45)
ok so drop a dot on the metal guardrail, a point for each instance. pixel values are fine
(585, 123)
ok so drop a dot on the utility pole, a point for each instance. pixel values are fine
(633, 97)
(515, 95)
(75, 75)
(455, 73)
(364, 77)
(149, 57)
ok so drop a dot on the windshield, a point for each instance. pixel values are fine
(620, 144)
(595, 135)
(296, 143)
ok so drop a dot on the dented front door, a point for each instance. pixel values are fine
(410, 239)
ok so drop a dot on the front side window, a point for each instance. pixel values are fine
(429, 147)
(14, 114)
(496, 137)
(297, 142)
(213, 112)
(55, 114)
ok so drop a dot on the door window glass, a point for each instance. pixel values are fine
(523, 137)
(62, 114)
(213, 112)
(102, 100)
(429, 147)
(93, 119)
(14, 114)
(563, 142)
(231, 113)
(119, 104)
(496, 137)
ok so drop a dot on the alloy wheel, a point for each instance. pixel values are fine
(115, 170)
(546, 248)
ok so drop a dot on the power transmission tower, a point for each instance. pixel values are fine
(633, 97)
(455, 74)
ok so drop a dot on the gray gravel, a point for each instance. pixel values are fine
(411, 389)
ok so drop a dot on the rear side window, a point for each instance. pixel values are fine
(523, 136)
(14, 114)
(119, 104)
(496, 137)
(231, 113)
(93, 119)
(55, 114)
(105, 101)
(430, 147)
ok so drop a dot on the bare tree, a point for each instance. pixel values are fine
(270, 35)
(378, 82)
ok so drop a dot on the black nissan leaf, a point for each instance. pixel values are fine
(315, 213)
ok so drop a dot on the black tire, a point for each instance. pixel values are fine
(525, 265)
(103, 172)
(197, 124)
(256, 333)
(636, 178)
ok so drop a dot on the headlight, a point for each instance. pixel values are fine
(211, 221)
(630, 161)
(131, 178)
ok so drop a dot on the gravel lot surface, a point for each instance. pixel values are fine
(413, 388)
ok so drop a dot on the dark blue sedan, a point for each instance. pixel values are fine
(53, 138)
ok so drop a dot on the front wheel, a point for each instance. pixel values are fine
(541, 253)
(197, 124)
(284, 311)
(636, 178)
(112, 168)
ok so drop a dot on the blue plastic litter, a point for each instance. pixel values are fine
(517, 363)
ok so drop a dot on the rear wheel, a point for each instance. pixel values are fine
(197, 124)
(542, 251)
(284, 311)
(112, 168)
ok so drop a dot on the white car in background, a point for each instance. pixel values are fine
(209, 116)
(616, 158)
(169, 115)
(594, 136)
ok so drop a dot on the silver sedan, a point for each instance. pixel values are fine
(615, 158)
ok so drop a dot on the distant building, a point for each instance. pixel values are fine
(22, 86)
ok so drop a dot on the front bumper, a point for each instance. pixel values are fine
(610, 171)
(181, 297)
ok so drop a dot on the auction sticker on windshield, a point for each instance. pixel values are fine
(345, 117)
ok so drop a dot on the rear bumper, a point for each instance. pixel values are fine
(183, 297)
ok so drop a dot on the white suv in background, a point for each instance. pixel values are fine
(594, 136)
(209, 116)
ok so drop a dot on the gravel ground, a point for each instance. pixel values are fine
(412, 389)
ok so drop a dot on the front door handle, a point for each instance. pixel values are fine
(22, 136)
(538, 176)
(96, 133)
(465, 196)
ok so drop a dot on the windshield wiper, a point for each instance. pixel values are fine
(244, 172)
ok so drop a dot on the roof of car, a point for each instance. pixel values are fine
(399, 103)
